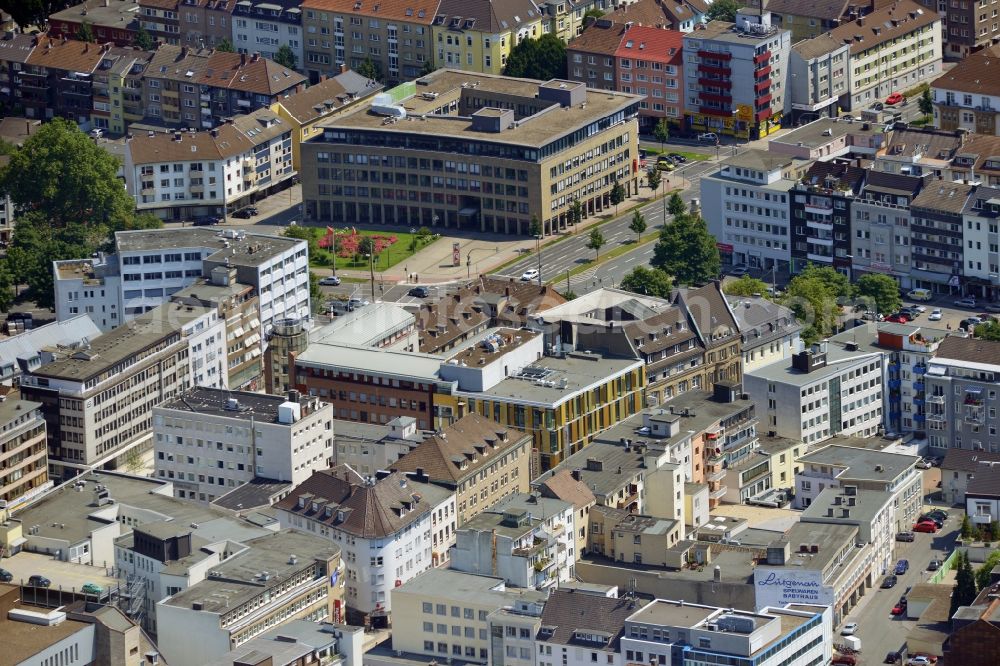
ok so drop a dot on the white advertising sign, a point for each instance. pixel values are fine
(777, 587)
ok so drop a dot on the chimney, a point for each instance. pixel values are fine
(243, 58)
(255, 57)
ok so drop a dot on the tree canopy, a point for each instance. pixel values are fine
(880, 292)
(648, 281)
(596, 241)
(687, 251)
(638, 225)
(926, 102)
(813, 296)
(33, 12)
(370, 70)
(745, 286)
(964, 592)
(988, 331)
(723, 10)
(286, 56)
(543, 58)
(226, 46)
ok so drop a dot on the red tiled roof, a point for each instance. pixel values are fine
(411, 11)
(648, 43)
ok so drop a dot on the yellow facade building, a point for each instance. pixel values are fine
(478, 35)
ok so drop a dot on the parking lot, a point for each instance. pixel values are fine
(64, 575)
(951, 314)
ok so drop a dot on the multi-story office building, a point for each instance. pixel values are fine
(367, 447)
(273, 579)
(151, 266)
(528, 540)
(56, 78)
(871, 510)
(390, 528)
(967, 96)
(25, 351)
(769, 332)
(198, 87)
(209, 441)
(880, 226)
(936, 232)
(264, 27)
(478, 35)
(475, 153)
(830, 389)
(479, 460)
(746, 205)
(820, 205)
(395, 38)
(734, 76)
(892, 49)
(961, 383)
(819, 76)
(191, 23)
(639, 59)
(445, 614)
(98, 399)
(211, 172)
(24, 469)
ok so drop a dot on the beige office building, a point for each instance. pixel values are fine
(474, 152)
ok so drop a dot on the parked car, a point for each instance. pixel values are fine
(708, 137)
(898, 318)
(934, 565)
(357, 303)
(739, 270)
(664, 163)
(926, 527)
(923, 464)
(992, 307)
(919, 294)
(902, 567)
(910, 312)
(37, 580)
(206, 221)
(91, 588)
(970, 322)
(246, 213)
(933, 519)
(968, 302)
(419, 292)
(889, 582)
(937, 513)
(919, 660)
(677, 157)
(330, 281)
(935, 315)
(844, 660)
(919, 308)
(6, 576)
(529, 275)
(891, 658)
(878, 106)
(905, 536)
(898, 609)
(894, 98)
(849, 629)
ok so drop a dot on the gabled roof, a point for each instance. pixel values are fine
(571, 612)
(493, 17)
(66, 54)
(884, 25)
(448, 320)
(650, 43)
(946, 197)
(410, 11)
(967, 460)
(654, 13)
(562, 485)
(978, 74)
(16, 47)
(473, 441)
(254, 74)
(828, 10)
(974, 350)
(603, 36)
(710, 313)
(328, 97)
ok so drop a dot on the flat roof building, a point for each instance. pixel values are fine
(23, 450)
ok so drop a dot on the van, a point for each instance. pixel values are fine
(919, 294)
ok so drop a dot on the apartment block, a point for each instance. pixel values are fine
(961, 383)
(390, 528)
(117, 89)
(211, 172)
(936, 229)
(263, 27)
(23, 449)
(191, 23)
(253, 435)
(114, 22)
(478, 35)
(892, 49)
(561, 485)
(632, 538)
(806, 20)
(871, 510)
(746, 204)
(396, 38)
(444, 614)
(56, 78)
(490, 156)
(881, 240)
(526, 539)
(967, 96)
(820, 211)
(187, 87)
(14, 51)
(369, 447)
(587, 626)
(819, 76)
(263, 585)
(479, 460)
(770, 333)
(734, 76)
(827, 390)
(151, 266)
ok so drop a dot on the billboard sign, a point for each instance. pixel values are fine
(777, 587)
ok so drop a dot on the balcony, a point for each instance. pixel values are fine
(717, 475)
(706, 82)
(937, 418)
(762, 86)
(935, 399)
(919, 418)
(720, 97)
(920, 369)
(721, 71)
(761, 116)
(717, 493)
(894, 384)
(762, 58)
(763, 71)
(713, 55)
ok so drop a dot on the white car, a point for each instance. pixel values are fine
(529, 275)
(935, 315)
(966, 302)
(849, 629)
(919, 660)
(918, 307)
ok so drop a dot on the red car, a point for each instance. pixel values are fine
(898, 609)
(894, 98)
(898, 318)
(926, 526)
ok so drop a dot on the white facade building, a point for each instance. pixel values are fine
(150, 266)
(389, 529)
(263, 27)
(745, 204)
(827, 390)
(209, 441)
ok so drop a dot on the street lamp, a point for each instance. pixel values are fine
(538, 251)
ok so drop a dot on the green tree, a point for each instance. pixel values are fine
(36, 245)
(966, 529)
(304, 233)
(983, 572)
(535, 228)
(988, 331)
(813, 296)
(28, 13)
(675, 205)
(964, 592)
(926, 102)
(86, 32)
(880, 291)
(653, 179)
(62, 174)
(648, 281)
(576, 211)
(687, 251)
(316, 296)
(638, 225)
(285, 56)
(225, 46)
(370, 70)
(543, 58)
(145, 41)
(662, 132)
(745, 286)
(592, 15)
(427, 68)
(723, 10)
(596, 241)
(617, 194)
(7, 286)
